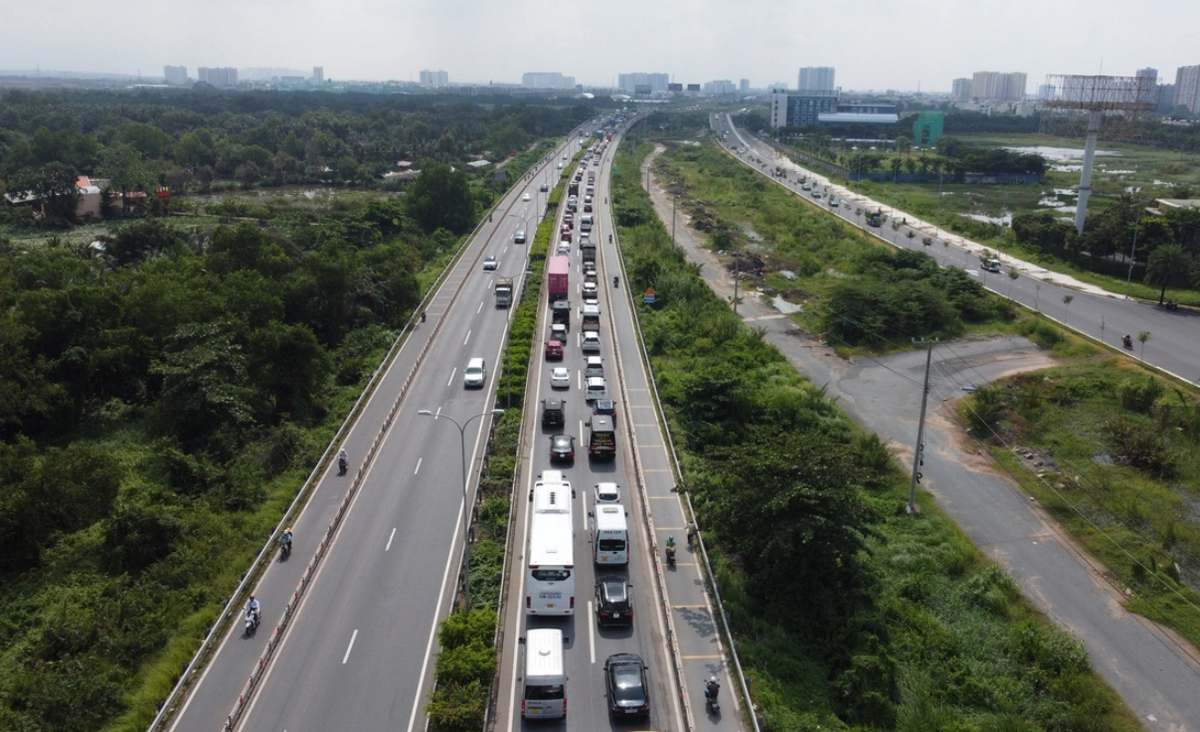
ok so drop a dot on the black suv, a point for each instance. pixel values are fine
(553, 413)
(613, 606)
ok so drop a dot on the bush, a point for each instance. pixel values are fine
(1139, 396)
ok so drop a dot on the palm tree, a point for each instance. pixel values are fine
(1168, 264)
(1067, 301)
(1012, 276)
(1143, 337)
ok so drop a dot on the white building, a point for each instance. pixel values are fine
(176, 75)
(224, 76)
(435, 78)
(318, 76)
(816, 79)
(1187, 88)
(547, 80)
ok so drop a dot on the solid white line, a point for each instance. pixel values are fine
(418, 468)
(453, 371)
(591, 634)
(389, 544)
(468, 335)
(349, 647)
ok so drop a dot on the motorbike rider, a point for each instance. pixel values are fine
(610, 238)
(285, 540)
(253, 608)
(343, 460)
(616, 281)
(711, 689)
(1128, 341)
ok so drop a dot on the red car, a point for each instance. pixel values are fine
(554, 350)
(565, 234)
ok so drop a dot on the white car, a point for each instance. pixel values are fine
(608, 493)
(589, 289)
(596, 389)
(590, 342)
(525, 197)
(490, 263)
(560, 378)
(564, 247)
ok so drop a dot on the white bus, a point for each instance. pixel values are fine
(545, 692)
(610, 535)
(550, 579)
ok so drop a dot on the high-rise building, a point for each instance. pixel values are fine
(318, 76)
(1046, 92)
(743, 85)
(998, 86)
(1164, 101)
(1148, 73)
(800, 110)
(1187, 88)
(960, 90)
(176, 75)
(547, 80)
(435, 78)
(719, 86)
(629, 83)
(224, 76)
(816, 79)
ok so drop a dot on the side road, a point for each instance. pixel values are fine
(1155, 673)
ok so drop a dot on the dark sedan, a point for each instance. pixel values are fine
(562, 448)
(625, 678)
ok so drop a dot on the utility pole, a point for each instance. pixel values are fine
(919, 453)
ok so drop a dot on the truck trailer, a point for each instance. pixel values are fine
(504, 291)
(558, 277)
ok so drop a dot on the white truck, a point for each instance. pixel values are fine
(504, 292)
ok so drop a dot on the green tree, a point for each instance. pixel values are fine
(123, 166)
(441, 199)
(52, 188)
(1168, 265)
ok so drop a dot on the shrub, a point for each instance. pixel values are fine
(1139, 395)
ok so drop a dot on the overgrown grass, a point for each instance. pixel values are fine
(1121, 471)
(940, 639)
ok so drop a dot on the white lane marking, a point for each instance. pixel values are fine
(591, 634)
(350, 647)
(453, 371)
(418, 468)
(389, 544)
(468, 336)
(479, 309)
(579, 379)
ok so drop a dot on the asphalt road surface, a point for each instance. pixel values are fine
(1173, 345)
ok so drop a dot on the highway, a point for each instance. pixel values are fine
(587, 646)
(1172, 345)
(358, 651)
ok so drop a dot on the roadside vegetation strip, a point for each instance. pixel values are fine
(847, 612)
(1112, 451)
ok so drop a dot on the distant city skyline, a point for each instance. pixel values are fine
(899, 45)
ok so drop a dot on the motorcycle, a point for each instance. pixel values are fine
(285, 550)
(670, 555)
(711, 705)
(253, 618)
(1127, 341)
(616, 281)
(343, 465)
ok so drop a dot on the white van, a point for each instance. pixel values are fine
(475, 375)
(545, 693)
(610, 535)
(585, 223)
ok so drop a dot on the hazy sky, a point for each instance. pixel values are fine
(873, 44)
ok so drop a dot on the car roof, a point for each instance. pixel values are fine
(553, 403)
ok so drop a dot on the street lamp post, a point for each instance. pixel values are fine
(462, 436)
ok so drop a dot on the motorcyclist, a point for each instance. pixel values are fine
(610, 238)
(253, 609)
(711, 689)
(285, 540)
(691, 533)
(1128, 341)
(343, 460)
(616, 281)
(670, 550)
